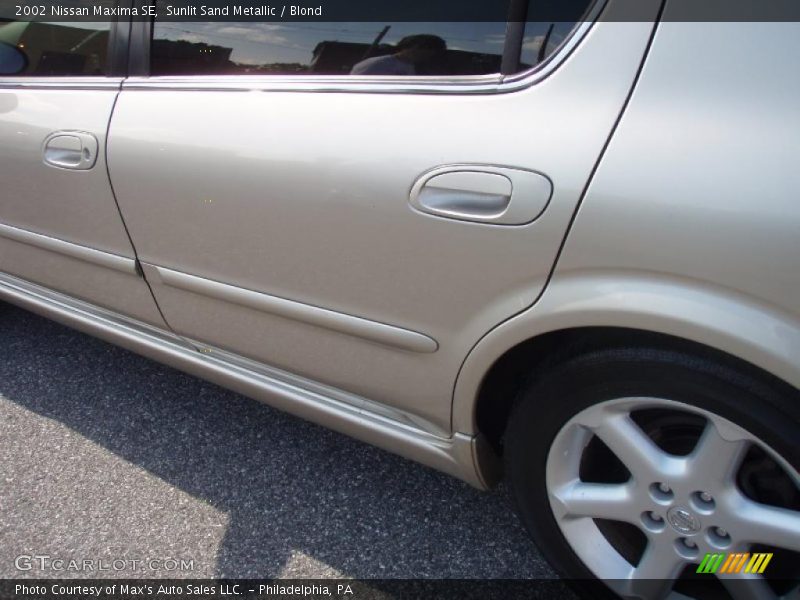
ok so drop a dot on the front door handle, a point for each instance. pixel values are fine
(482, 193)
(71, 150)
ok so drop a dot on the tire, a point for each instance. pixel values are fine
(627, 465)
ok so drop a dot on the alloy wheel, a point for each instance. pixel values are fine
(644, 488)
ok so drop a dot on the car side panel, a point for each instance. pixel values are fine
(701, 178)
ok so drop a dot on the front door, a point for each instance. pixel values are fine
(59, 224)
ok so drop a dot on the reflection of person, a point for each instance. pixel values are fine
(409, 52)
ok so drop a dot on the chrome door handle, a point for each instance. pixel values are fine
(482, 193)
(71, 150)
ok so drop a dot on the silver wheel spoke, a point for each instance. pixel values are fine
(768, 525)
(716, 457)
(747, 586)
(654, 576)
(637, 452)
(599, 500)
(793, 594)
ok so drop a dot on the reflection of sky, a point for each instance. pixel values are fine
(534, 36)
(262, 43)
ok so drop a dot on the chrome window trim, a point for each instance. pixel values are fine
(319, 83)
(61, 83)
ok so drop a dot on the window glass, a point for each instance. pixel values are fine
(195, 48)
(53, 49)
(541, 40)
(542, 36)
(366, 48)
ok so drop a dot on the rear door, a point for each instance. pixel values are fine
(358, 203)
(59, 223)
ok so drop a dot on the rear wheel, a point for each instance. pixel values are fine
(630, 465)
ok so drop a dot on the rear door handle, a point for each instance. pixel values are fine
(70, 150)
(482, 193)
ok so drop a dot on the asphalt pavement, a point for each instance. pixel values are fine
(107, 456)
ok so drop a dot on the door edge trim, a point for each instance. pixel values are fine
(373, 331)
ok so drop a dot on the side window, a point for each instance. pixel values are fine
(38, 49)
(320, 48)
(340, 48)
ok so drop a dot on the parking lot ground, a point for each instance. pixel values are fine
(108, 455)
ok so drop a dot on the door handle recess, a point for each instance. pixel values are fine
(71, 150)
(485, 194)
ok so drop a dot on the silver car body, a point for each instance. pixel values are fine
(272, 222)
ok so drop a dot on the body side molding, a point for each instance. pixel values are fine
(381, 333)
(457, 455)
(84, 253)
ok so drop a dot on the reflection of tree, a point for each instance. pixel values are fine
(272, 68)
(60, 49)
(182, 57)
(175, 57)
(334, 57)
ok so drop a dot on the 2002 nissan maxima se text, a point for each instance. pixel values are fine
(562, 253)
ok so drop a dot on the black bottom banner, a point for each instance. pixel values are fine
(255, 589)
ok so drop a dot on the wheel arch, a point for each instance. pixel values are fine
(597, 309)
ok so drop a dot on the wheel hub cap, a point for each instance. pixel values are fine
(683, 521)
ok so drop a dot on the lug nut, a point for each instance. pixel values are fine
(652, 521)
(721, 532)
(705, 497)
(690, 544)
(661, 493)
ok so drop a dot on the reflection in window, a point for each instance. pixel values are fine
(327, 48)
(542, 39)
(54, 49)
(337, 48)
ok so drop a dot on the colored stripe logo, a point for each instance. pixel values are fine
(735, 562)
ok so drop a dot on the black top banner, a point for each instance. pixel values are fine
(397, 10)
